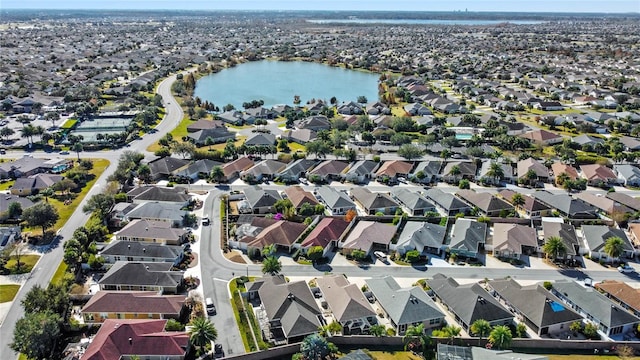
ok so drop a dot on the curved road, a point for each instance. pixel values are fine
(49, 261)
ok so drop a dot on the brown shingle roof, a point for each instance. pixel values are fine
(621, 291)
(328, 229)
(394, 167)
(299, 196)
(597, 172)
(559, 168)
(283, 233)
(134, 302)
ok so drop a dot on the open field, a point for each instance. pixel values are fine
(8, 292)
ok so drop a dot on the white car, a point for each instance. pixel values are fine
(626, 269)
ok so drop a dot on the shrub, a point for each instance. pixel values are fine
(376, 158)
(412, 256)
(547, 285)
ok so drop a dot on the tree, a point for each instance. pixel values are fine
(36, 334)
(184, 149)
(590, 330)
(332, 328)
(315, 253)
(64, 186)
(6, 132)
(41, 214)
(554, 247)
(100, 204)
(14, 211)
(517, 200)
(614, 247)
(481, 328)
(378, 330)
(358, 255)
(271, 265)
(47, 193)
(464, 184)
(314, 347)
(174, 325)
(455, 171)
(317, 147)
(500, 336)
(217, 174)
(202, 332)
(521, 330)
(415, 339)
(448, 331)
(350, 215)
(495, 171)
(77, 147)
(409, 151)
(269, 250)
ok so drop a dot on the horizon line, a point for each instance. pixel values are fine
(327, 10)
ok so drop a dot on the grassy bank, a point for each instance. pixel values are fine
(8, 292)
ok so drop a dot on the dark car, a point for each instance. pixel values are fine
(217, 351)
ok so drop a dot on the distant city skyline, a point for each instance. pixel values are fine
(591, 6)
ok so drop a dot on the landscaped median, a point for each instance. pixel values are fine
(245, 318)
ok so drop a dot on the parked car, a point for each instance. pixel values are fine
(625, 269)
(218, 352)
(211, 308)
(206, 221)
(64, 152)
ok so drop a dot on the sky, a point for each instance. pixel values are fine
(605, 6)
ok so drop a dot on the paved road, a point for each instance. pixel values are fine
(49, 261)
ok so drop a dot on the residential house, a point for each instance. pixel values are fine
(118, 213)
(377, 108)
(152, 231)
(300, 136)
(9, 235)
(486, 203)
(258, 200)
(142, 305)
(526, 165)
(446, 352)
(596, 236)
(260, 113)
(587, 140)
(630, 143)
(532, 207)
(427, 172)
(142, 276)
(199, 169)
(598, 175)
(348, 304)
(31, 185)
(25, 166)
(512, 241)
(540, 310)
(413, 202)
(628, 174)
(624, 199)
(423, 236)
(542, 137)
(566, 232)
(139, 251)
(266, 169)
(627, 296)
(217, 135)
(606, 205)
(368, 236)
(361, 171)
(171, 213)
(449, 203)
(164, 167)
(485, 171)
(329, 170)
(260, 139)
(299, 196)
(394, 169)
(290, 307)
(415, 109)
(283, 234)
(566, 205)
(374, 203)
(467, 170)
(558, 168)
(405, 307)
(350, 108)
(203, 124)
(296, 170)
(146, 339)
(327, 234)
(233, 169)
(612, 320)
(143, 194)
(315, 123)
(469, 302)
(467, 238)
(336, 201)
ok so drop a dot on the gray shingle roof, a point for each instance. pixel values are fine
(136, 249)
(371, 200)
(566, 204)
(597, 235)
(418, 235)
(157, 211)
(259, 197)
(347, 302)
(412, 200)
(142, 273)
(362, 167)
(467, 235)
(566, 232)
(334, 198)
(594, 303)
(403, 305)
(484, 201)
(469, 302)
(445, 200)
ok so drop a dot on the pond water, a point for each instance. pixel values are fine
(277, 82)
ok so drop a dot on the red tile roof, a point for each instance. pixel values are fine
(135, 337)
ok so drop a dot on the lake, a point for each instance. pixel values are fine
(276, 82)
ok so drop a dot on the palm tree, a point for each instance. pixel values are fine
(614, 247)
(517, 200)
(28, 132)
(269, 250)
(209, 141)
(378, 330)
(482, 328)
(271, 265)
(216, 174)
(554, 246)
(47, 193)
(332, 328)
(500, 336)
(455, 171)
(77, 147)
(415, 338)
(448, 331)
(202, 332)
(315, 347)
(495, 171)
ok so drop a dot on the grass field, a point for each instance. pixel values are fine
(6, 185)
(8, 292)
(27, 262)
(59, 274)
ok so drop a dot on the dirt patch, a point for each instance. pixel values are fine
(235, 257)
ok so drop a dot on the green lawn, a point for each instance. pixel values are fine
(239, 141)
(589, 357)
(6, 185)
(27, 262)
(245, 329)
(58, 276)
(8, 292)
(296, 147)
